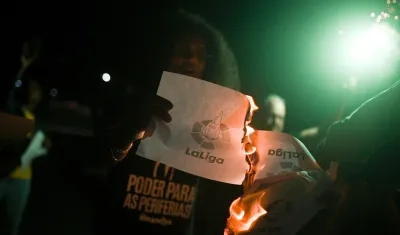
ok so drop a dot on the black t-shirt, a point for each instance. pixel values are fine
(147, 197)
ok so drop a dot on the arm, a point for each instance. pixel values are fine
(362, 133)
(81, 139)
(103, 134)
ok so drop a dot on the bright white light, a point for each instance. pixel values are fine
(106, 77)
(372, 14)
(340, 32)
(373, 48)
(396, 17)
(352, 81)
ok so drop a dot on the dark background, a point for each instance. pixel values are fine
(279, 44)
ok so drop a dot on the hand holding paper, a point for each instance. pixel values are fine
(206, 138)
(205, 135)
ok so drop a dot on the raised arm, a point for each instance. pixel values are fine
(358, 136)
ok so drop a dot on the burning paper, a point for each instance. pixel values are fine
(206, 132)
(284, 191)
(279, 153)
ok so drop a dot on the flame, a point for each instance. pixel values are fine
(253, 108)
(248, 148)
(244, 212)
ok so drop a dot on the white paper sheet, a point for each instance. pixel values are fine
(279, 153)
(204, 137)
(290, 202)
(287, 184)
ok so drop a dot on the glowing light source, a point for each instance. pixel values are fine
(353, 81)
(372, 14)
(18, 83)
(371, 49)
(106, 77)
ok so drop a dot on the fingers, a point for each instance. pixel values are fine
(149, 130)
(163, 103)
(134, 113)
(161, 108)
(164, 115)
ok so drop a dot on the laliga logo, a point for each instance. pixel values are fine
(205, 133)
(208, 131)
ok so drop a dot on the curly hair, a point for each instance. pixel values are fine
(221, 66)
(134, 51)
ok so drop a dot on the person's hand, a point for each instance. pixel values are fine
(131, 121)
(134, 120)
(161, 110)
(38, 146)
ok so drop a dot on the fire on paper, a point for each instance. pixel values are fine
(281, 185)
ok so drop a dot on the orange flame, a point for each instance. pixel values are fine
(248, 148)
(244, 212)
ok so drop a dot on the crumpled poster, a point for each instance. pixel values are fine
(206, 132)
(279, 153)
(286, 187)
